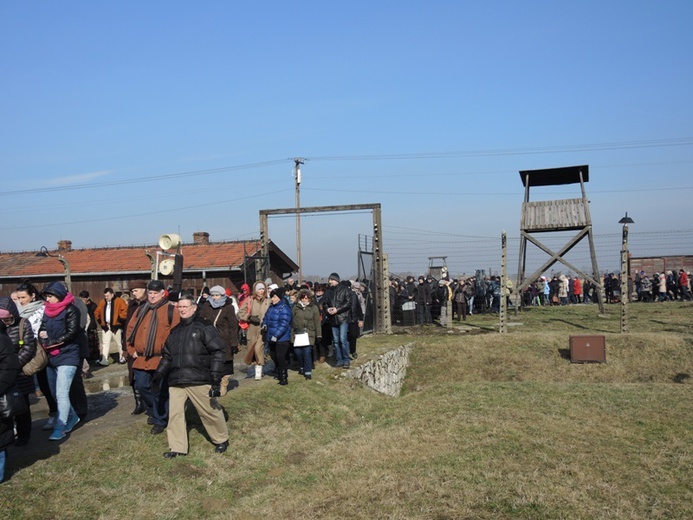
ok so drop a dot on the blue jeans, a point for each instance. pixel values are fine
(341, 343)
(157, 404)
(59, 379)
(304, 356)
(2, 465)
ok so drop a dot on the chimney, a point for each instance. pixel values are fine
(64, 245)
(201, 237)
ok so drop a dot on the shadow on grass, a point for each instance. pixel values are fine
(582, 327)
(194, 422)
(680, 378)
(564, 353)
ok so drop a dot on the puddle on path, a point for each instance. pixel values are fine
(114, 382)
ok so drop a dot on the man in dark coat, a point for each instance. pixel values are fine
(193, 359)
(337, 306)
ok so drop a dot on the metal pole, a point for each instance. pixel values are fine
(504, 276)
(624, 280)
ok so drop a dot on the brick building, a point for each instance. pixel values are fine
(206, 263)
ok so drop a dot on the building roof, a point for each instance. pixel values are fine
(555, 176)
(128, 260)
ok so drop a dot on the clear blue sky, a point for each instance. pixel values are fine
(429, 108)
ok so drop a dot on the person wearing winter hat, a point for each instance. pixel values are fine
(245, 293)
(60, 335)
(337, 306)
(146, 334)
(138, 291)
(220, 311)
(251, 314)
(277, 323)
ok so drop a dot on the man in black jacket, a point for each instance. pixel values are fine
(193, 359)
(337, 306)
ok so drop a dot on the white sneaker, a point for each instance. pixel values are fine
(50, 423)
(258, 372)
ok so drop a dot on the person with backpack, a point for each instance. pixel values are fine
(220, 311)
(250, 316)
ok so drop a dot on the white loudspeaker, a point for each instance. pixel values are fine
(166, 266)
(167, 242)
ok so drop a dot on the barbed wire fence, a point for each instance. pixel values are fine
(409, 248)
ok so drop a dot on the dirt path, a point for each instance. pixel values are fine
(110, 401)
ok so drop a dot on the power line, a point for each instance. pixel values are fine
(152, 178)
(656, 143)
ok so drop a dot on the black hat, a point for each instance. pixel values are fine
(155, 285)
(334, 276)
(279, 292)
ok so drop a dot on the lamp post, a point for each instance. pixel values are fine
(625, 297)
(68, 279)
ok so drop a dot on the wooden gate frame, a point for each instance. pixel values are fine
(556, 215)
(383, 323)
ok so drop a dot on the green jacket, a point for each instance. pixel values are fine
(306, 319)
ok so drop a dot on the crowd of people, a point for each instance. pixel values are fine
(429, 301)
(426, 300)
(178, 347)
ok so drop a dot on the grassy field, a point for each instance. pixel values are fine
(487, 426)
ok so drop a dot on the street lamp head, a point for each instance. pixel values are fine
(626, 220)
(43, 252)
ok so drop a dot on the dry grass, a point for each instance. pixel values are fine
(488, 426)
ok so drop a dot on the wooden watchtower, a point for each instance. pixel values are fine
(556, 215)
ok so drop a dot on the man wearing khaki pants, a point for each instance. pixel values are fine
(192, 362)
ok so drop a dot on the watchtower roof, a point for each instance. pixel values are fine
(555, 176)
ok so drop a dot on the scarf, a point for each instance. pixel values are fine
(30, 308)
(216, 304)
(153, 325)
(54, 309)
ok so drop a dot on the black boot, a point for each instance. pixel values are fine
(284, 377)
(139, 404)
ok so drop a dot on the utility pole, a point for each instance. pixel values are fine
(298, 161)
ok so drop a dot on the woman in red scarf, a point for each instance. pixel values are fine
(60, 335)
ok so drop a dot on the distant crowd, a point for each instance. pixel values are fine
(426, 300)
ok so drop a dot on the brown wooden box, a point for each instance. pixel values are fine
(587, 349)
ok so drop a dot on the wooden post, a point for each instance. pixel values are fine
(263, 272)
